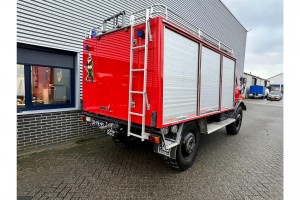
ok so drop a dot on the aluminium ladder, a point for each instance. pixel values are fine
(140, 70)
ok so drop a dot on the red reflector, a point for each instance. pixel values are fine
(154, 139)
(83, 118)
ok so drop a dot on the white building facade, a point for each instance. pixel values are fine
(276, 83)
(254, 80)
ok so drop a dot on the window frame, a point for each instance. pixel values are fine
(28, 90)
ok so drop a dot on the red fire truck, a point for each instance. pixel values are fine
(161, 79)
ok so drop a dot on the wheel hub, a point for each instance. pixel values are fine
(189, 143)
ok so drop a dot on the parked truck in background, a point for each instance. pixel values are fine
(258, 91)
(160, 80)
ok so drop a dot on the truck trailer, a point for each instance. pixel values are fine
(258, 91)
(161, 79)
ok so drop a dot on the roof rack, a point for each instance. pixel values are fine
(155, 11)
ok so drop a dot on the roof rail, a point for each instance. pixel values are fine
(155, 11)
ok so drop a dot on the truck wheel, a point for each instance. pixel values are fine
(234, 128)
(186, 151)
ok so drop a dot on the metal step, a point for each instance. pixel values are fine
(137, 114)
(138, 70)
(138, 47)
(213, 126)
(146, 135)
(137, 92)
(135, 135)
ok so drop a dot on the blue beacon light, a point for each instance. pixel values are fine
(141, 33)
(93, 33)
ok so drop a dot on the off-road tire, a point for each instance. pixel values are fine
(234, 128)
(190, 139)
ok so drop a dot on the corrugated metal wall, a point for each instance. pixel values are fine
(214, 18)
(61, 24)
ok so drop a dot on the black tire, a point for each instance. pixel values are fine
(234, 128)
(186, 151)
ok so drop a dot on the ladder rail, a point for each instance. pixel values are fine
(145, 73)
(130, 74)
(145, 103)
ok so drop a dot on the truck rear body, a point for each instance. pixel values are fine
(161, 80)
(187, 76)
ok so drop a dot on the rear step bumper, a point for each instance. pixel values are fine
(111, 126)
(121, 123)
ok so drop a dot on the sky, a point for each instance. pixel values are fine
(264, 48)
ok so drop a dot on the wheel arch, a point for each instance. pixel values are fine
(240, 104)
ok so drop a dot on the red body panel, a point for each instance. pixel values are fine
(108, 94)
(237, 95)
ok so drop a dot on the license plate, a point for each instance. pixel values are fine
(162, 150)
(98, 123)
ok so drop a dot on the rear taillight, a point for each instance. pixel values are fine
(86, 118)
(83, 118)
(154, 139)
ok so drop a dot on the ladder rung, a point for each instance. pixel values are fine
(137, 92)
(137, 47)
(138, 114)
(137, 70)
(136, 135)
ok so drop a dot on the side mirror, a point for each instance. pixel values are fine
(243, 80)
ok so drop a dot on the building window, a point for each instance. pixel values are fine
(254, 81)
(20, 86)
(45, 87)
(50, 85)
(45, 78)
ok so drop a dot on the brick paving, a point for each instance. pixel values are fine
(246, 166)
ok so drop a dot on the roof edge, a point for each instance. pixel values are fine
(276, 75)
(266, 79)
(233, 15)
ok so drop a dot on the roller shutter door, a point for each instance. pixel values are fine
(180, 77)
(227, 83)
(210, 81)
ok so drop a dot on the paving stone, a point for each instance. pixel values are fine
(245, 166)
